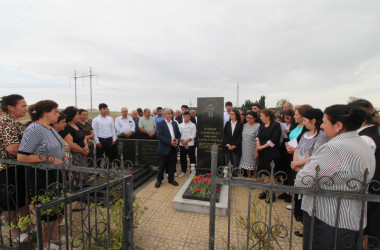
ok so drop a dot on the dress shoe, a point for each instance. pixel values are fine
(158, 184)
(297, 233)
(173, 182)
(273, 199)
(288, 199)
(263, 195)
(283, 196)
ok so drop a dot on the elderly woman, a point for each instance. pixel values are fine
(369, 132)
(12, 189)
(345, 157)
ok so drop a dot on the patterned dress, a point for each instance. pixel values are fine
(248, 160)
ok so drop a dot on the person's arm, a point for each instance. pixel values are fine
(141, 127)
(237, 143)
(37, 159)
(193, 133)
(73, 146)
(160, 135)
(118, 126)
(95, 127)
(113, 131)
(154, 129)
(13, 148)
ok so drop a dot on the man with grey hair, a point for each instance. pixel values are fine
(124, 124)
(168, 136)
(286, 106)
(135, 117)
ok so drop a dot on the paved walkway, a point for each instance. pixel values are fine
(162, 227)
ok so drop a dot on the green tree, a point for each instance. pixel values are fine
(280, 103)
(261, 102)
(247, 105)
(352, 98)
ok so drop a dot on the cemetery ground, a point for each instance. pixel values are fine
(163, 227)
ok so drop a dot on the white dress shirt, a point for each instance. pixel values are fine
(187, 130)
(124, 125)
(170, 125)
(103, 128)
(227, 118)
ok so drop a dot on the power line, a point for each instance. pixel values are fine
(75, 80)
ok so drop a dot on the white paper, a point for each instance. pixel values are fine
(293, 143)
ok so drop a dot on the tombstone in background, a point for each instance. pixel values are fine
(209, 131)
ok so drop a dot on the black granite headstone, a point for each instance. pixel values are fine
(209, 131)
(139, 152)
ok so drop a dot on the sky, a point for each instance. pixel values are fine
(151, 53)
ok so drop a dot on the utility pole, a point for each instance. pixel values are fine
(75, 80)
(237, 96)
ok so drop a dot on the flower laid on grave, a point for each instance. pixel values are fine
(201, 186)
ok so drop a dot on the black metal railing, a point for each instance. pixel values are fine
(92, 206)
(271, 234)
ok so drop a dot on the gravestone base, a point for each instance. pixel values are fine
(198, 206)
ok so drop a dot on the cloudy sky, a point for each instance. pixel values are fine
(150, 53)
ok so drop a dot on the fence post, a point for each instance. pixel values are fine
(214, 161)
(128, 213)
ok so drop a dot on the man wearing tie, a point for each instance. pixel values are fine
(168, 136)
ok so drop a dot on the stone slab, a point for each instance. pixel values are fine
(201, 206)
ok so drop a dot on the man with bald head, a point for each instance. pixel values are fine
(147, 125)
(125, 126)
(287, 106)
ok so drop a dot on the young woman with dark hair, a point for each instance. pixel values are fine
(345, 157)
(232, 139)
(88, 131)
(79, 150)
(370, 133)
(310, 141)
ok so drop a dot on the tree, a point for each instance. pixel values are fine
(247, 105)
(261, 102)
(280, 103)
(352, 98)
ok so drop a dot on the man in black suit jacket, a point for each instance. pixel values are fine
(169, 136)
(179, 118)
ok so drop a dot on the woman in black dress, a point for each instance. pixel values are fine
(370, 133)
(232, 139)
(267, 144)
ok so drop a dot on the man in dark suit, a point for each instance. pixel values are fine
(209, 118)
(169, 136)
(179, 118)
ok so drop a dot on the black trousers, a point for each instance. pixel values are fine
(167, 162)
(183, 153)
(107, 148)
(323, 237)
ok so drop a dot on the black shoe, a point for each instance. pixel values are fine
(273, 198)
(283, 196)
(158, 184)
(288, 199)
(263, 195)
(173, 182)
(297, 233)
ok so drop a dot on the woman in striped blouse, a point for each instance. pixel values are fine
(345, 157)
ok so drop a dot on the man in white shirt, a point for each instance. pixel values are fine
(104, 130)
(188, 132)
(125, 126)
(228, 107)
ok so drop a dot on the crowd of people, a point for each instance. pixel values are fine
(343, 141)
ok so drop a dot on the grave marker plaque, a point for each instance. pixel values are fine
(209, 131)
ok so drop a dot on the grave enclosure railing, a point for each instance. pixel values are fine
(271, 234)
(93, 206)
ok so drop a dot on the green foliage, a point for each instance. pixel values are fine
(261, 102)
(280, 103)
(258, 234)
(247, 105)
(58, 209)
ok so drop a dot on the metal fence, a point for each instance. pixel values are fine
(271, 233)
(69, 206)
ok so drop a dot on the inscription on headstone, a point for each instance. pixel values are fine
(209, 131)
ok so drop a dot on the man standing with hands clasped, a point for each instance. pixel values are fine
(168, 136)
(188, 132)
